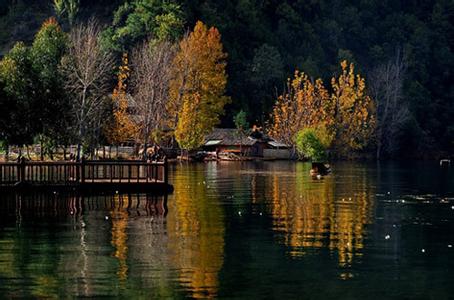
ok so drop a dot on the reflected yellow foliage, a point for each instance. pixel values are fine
(319, 214)
(196, 235)
(120, 237)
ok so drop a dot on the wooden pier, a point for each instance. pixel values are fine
(86, 175)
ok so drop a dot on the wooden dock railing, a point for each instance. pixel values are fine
(84, 172)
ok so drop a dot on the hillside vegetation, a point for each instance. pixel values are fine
(403, 49)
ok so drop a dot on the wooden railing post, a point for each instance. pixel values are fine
(82, 170)
(21, 169)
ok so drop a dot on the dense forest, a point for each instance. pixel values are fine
(403, 50)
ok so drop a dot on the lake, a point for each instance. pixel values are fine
(240, 230)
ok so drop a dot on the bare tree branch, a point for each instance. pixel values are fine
(87, 68)
(386, 82)
(151, 64)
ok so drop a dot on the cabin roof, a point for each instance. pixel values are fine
(277, 144)
(228, 137)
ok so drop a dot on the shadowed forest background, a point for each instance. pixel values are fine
(408, 43)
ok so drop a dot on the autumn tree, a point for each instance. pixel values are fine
(354, 111)
(198, 86)
(151, 64)
(87, 70)
(122, 127)
(304, 104)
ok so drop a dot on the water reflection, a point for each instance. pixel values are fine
(311, 214)
(238, 230)
(71, 245)
(196, 231)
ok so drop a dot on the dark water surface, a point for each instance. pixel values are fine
(240, 230)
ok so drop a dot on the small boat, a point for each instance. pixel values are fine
(320, 169)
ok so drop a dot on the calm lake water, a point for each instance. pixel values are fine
(240, 230)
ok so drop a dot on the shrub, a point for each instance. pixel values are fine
(309, 145)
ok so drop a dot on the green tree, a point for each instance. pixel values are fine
(309, 145)
(241, 125)
(141, 19)
(51, 101)
(266, 72)
(18, 80)
(70, 8)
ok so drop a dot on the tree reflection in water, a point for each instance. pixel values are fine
(195, 225)
(329, 213)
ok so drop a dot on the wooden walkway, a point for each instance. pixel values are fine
(86, 175)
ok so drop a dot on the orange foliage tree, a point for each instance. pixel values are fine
(304, 104)
(345, 119)
(354, 111)
(122, 127)
(198, 86)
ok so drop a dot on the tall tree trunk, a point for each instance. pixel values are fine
(28, 152)
(378, 150)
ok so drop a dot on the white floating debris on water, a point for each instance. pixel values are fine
(387, 237)
(394, 225)
(452, 207)
(239, 213)
(389, 193)
(319, 176)
(260, 213)
(106, 217)
(116, 192)
(350, 199)
(55, 192)
(423, 250)
(204, 182)
(449, 246)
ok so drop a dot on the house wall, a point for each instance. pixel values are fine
(277, 153)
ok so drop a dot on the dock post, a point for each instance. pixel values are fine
(166, 170)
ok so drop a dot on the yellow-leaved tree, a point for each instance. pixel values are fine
(304, 104)
(122, 127)
(354, 111)
(198, 85)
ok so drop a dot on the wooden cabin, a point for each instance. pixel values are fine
(229, 140)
